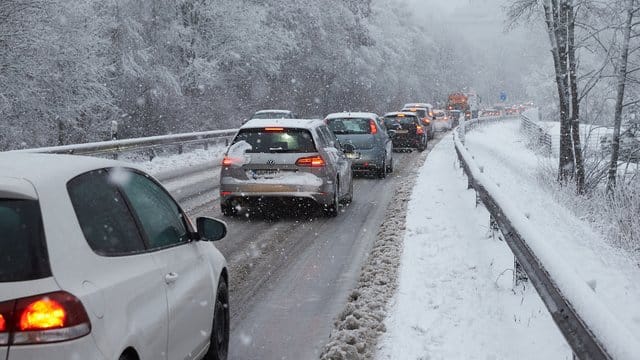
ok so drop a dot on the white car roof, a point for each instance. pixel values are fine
(394, 113)
(418, 105)
(42, 170)
(273, 111)
(351, 115)
(287, 123)
(415, 107)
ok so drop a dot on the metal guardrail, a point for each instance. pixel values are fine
(577, 332)
(138, 144)
(539, 137)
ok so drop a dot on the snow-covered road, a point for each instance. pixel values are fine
(455, 298)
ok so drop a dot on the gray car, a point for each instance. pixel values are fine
(367, 134)
(273, 161)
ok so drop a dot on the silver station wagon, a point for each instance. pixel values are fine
(273, 161)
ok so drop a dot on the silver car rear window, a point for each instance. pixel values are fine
(23, 254)
(277, 140)
(271, 115)
(404, 120)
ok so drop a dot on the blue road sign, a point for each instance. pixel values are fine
(503, 96)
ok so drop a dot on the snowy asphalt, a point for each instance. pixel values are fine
(291, 275)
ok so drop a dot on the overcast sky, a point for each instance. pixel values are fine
(482, 23)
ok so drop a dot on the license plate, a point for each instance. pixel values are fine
(402, 131)
(264, 173)
(353, 155)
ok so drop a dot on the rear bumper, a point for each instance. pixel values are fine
(407, 143)
(368, 160)
(234, 190)
(82, 348)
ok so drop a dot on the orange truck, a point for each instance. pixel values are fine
(466, 102)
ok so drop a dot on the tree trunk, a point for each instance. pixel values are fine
(575, 100)
(622, 79)
(556, 29)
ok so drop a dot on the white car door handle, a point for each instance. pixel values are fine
(171, 277)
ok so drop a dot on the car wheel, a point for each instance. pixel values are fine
(423, 145)
(227, 209)
(382, 170)
(219, 345)
(390, 166)
(127, 356)
(333, 209)
(349, 197)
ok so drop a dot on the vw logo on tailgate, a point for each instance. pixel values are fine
(271, 162)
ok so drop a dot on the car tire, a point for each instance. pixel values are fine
(333, 209)
(423, 145)
(382, 170)
(390, 166)
(219, 343)
(126, 356)
(349, 197)
(227, 209)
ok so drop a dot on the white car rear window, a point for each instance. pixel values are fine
(23, 256)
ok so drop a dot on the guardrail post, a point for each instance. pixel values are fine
(206, 145)
(180, 149)
(519, 275)
(494, 229)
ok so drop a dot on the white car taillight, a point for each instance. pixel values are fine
(46, 318)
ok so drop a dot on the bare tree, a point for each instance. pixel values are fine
(630, 11)
(560, 20)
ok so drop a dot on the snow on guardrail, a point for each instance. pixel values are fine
(135, 144)
(587, 324)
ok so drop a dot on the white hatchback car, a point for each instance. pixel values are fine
(98, 261)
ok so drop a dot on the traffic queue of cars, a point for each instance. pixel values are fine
(309, 162)
(99, 261)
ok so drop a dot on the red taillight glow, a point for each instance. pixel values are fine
(372, 126)
(3, 323)
(43, 314)
(311, 161)
(228, 161)
(225, 193)
(53, 317)
(271, 129)
(419, 130)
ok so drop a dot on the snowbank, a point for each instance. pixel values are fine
(455, 298)
(358, 327)
(600, 281)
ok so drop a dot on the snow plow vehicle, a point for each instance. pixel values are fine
(465, 102)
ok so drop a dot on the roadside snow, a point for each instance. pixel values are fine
(602, 282)
(166, 166)
(358, 327)
(455, 298)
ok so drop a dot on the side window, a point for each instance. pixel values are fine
(381, 124)
(331, 137)
(159, 215)
(105, 219)
(323, 138)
